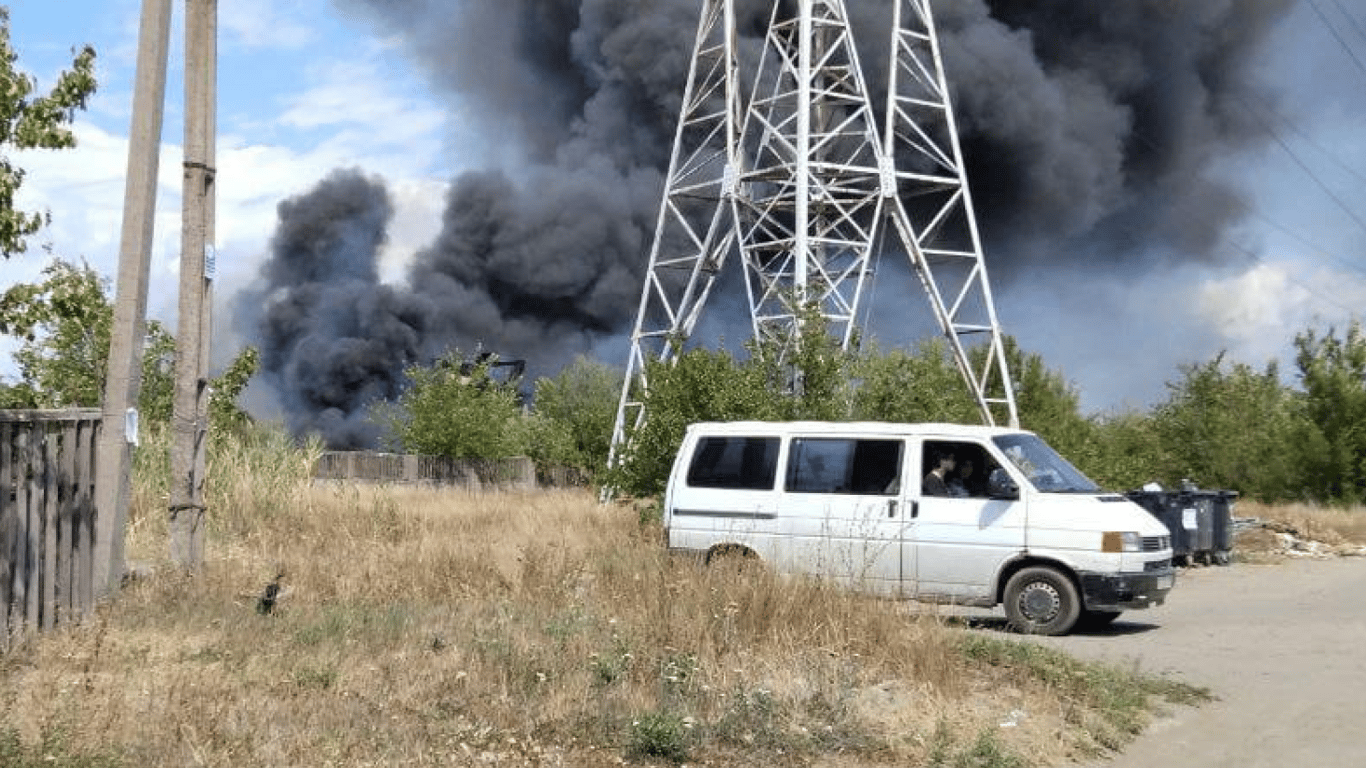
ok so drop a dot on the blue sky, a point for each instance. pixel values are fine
(304, 89)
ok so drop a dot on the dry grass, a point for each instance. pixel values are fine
(1300, 528)
(430, 627)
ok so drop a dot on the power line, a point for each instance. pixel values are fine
(1307, 242)
(1303, 166)
(1281, 118)
(1334, 32)
(1356, 25)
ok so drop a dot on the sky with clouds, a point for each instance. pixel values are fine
(305, 89)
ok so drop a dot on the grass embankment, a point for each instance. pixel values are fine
(429, 627)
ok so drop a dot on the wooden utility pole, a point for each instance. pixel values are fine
(123, 379)
(190, 417)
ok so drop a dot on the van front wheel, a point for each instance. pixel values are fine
(1041, 601)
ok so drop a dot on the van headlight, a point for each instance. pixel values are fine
(1121, 541)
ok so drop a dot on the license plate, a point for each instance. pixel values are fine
(1165, 582)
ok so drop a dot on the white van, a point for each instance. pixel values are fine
(856, 503)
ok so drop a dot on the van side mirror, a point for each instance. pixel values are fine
(1000, 486)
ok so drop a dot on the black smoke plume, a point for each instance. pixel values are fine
(1087, 124)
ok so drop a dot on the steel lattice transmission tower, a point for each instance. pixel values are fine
(790, 168)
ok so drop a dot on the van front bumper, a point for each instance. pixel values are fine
(1125, 591)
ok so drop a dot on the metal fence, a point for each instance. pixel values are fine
(47, 518)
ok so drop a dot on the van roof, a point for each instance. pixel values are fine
(942, 429)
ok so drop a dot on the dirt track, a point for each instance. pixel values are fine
(1283, 647)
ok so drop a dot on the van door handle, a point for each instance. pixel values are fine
(915, 509)
(891, 508)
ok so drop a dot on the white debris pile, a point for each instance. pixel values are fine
(1280, 538)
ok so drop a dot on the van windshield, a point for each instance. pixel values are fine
(1045, 469)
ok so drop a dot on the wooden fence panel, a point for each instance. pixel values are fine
(51, 485)
(47, 518)
(84, 566)
(8, 531)
(62, 526)
(23, 559)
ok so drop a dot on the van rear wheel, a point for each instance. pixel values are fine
(734, 559)
(1041, 601)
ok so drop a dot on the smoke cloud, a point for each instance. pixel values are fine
(1087, 125)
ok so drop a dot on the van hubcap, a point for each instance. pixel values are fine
(1040, 602)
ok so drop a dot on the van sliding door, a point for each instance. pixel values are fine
(842, 498)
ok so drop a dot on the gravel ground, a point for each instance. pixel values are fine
(1282, 647)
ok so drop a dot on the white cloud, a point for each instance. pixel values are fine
(358, 94)
(1258, 312)
(84, 191)
(266, 24)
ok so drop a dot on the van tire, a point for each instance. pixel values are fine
(734, 558)
(1041, 601)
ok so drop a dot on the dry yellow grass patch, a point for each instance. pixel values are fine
(434, 627)
(1324, 530)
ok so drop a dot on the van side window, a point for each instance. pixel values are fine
(746, 463)
(826, 465)
(965, 476)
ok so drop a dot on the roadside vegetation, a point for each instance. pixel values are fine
(1299, 530)
(1224, 425)
(423, 626)
(420, 626)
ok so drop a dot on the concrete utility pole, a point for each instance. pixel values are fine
(190, 418)
(123, 380)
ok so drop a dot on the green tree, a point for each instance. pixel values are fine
(1333, 374)
(575, 412)
(30, 121)
(225, 415)
(698, 385)
(63, 324)
(1230, 427)
(918, 386)
(810, 377)
(461, 414)
(1124, 451)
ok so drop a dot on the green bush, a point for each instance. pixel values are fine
(660, 735)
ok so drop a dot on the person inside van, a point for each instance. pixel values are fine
(936, 483)
(962, 482)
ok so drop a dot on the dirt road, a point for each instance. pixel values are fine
(1283, 647)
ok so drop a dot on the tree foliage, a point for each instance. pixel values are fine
(697, 385)
(574, 415)
(1223, 425)
(1332, 373)
(1230, 426)
(32, 121)
(63, 323)
(447, 411)
(225, 414)
(904, 386)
